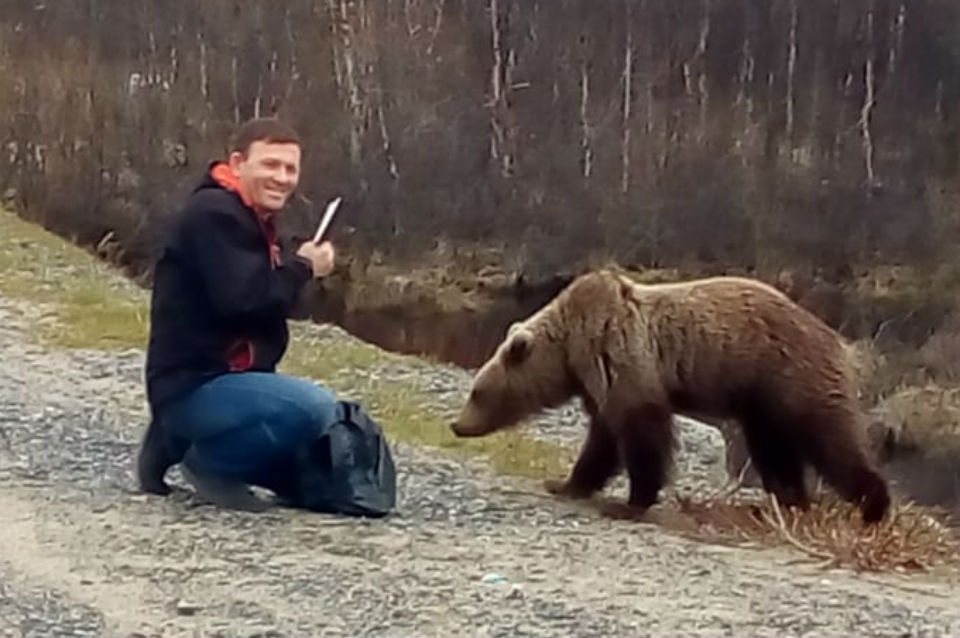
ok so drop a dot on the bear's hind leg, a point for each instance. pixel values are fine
(839, 455)
(598, 462)
(776, 456)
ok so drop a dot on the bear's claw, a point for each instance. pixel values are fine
(564, 489)
(622, 511)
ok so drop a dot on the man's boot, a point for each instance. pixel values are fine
(222, 492)
(154, 459)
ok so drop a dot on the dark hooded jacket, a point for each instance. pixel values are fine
(222, 292)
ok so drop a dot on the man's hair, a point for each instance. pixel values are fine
(262, 129)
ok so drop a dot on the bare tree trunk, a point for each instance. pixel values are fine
(840, 128)
(153, 73)
(204, 73)
(337, 53)
(791, 72)
(866, 111)
(649, 113)
(236, 94)
(408, 19)
(504, 60)
(745, 79)
(627, 102)
(391, 166)
(435, 31)
(387, 146)
(380, 89)
(258, 98)
(348, 53)
(703, 91)
(938, 102)
(585, 133)
(899, 23)
(97, 135)
(496, 83)
(174, 64)
(816, 105)
(272, 67)
(363, 16)
(293, 72)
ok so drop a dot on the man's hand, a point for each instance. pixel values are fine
(321, 256)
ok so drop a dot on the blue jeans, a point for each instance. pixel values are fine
(247, 426)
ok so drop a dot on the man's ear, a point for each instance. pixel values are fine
(519, 346)
(235, 161)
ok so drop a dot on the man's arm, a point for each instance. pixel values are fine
(239, 282)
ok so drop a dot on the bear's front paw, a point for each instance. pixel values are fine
(564, 489)
(622, 511)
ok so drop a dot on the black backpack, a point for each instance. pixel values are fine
(347, 468)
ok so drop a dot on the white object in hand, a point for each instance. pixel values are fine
(327, 218)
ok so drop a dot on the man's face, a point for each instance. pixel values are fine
(269, 173)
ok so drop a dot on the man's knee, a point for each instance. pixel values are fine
(315, 402)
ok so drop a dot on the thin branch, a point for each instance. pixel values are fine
(868, 102)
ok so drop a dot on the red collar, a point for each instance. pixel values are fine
(223, 175)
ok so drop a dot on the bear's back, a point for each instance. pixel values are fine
(720, 333)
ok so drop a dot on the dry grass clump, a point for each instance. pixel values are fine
(448, 278)
(912, 538)
(924, 418)
(940, 355)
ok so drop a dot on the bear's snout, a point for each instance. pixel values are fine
(463, 430)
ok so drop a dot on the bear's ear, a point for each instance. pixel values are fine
(519, 347)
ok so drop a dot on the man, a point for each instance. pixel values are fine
(223, 290)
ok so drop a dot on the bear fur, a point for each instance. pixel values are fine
(720, 347)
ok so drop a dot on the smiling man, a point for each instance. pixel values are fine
(223, 290)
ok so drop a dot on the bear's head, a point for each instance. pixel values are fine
(528, 372)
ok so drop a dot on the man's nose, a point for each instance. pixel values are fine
(284, 177)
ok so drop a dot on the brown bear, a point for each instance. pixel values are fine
(721, 347)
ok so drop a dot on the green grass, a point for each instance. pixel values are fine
(82, 308)
(85, 305)
(399, 406)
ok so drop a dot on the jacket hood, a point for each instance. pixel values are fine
(219, 175)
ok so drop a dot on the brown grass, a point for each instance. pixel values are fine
(448, 278)
(940, 355)
(924, 418)
(830, 533)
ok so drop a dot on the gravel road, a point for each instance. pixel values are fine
(466, 554)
